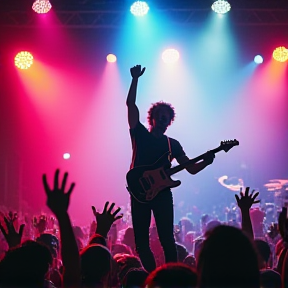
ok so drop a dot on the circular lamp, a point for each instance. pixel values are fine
(139, 8)
(221, 7)
(41, 6)
(170, 56)
(23, 60)
(280, 54)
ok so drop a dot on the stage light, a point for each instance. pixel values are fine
(41, 6)
(258, 59)
(280, 54)
(66, 156)
(221, 6)
(23, 60)
(111, 58)
(170, 56)
(139, 8)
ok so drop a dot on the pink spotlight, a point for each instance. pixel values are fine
(41, 6)
(111, 58)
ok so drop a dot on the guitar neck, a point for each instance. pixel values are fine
(180, 167)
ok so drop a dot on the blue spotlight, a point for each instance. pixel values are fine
(139, 8)
(258, 59)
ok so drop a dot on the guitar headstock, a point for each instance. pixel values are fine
(228, 144)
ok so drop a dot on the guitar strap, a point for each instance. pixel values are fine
(170, 152)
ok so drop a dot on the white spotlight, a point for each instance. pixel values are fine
(139, 8)
(258, 59)
(66, 156)
(170, 56)
(221, 7)
(111, 58)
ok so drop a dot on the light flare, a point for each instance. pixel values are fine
(170, 56)
(139, 8)
(111, 58)
(23, 60)
(280, 54)
(41, 6)
(221, 7)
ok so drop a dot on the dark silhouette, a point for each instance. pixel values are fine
(148, 147)
(172, 275)
(228, 259)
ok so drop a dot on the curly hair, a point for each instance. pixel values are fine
(160, 105)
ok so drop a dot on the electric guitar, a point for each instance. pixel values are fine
(145, 182)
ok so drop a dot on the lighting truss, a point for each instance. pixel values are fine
(116, 18)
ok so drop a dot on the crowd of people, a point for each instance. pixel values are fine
(54, 253)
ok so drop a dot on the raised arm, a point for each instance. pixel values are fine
(106, 218)
(245, 202)
(133, 112)
(58, 202)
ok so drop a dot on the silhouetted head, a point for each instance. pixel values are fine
(190, 260)
(125, 263)
(181, 252)
(25, 266)
(270, 279)
(97, 239)
(186, 224)
(172, 275)
(210, 226)
(120, 248)
(264, 252)
(134, 278)
(96, 263)
(51, 241)
(160, 115)
(128, 238)
(228, 259)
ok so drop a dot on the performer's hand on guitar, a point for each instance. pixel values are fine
(106, 218)
(136, 71)
(209, 157)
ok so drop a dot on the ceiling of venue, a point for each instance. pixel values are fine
(111, 13)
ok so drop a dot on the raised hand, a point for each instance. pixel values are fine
(246, 201)
(12, 237)
(106, 218)
(40, 225)
(136, 71)
(57, 199)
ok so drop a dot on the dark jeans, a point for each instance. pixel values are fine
(162, 207)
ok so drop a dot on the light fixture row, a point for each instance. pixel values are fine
(24, 59)
(138, 8)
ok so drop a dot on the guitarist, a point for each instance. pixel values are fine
(148, 147)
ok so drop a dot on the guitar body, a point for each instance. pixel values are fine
(145, 182)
